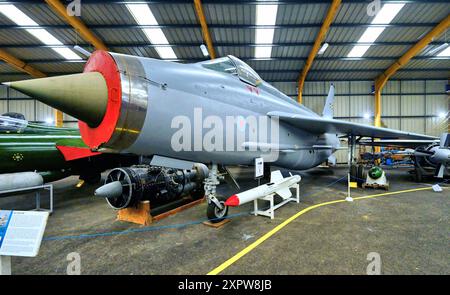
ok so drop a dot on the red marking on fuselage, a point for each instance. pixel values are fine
(252, 89)
(102, 62)
(71, 153)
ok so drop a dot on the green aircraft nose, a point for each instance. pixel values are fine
(83, 96)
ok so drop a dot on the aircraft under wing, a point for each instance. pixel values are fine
(320, 125)
(411, 143)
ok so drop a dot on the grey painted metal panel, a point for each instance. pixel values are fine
(413, 105)
(342, 106)
(360, 105)
(413, 124)
(25, 107)
(436, 104)
(392, 87)
(391, 123)
(3, 106)
(390, 105)
(436, 126)
(43, 112)
(436, 86)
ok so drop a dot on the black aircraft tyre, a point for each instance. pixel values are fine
(213, 212)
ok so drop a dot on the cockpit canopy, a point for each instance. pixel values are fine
(234, 66)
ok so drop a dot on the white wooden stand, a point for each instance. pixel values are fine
(5, 265)
(271, 211)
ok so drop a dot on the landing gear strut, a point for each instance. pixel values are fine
(216, 211)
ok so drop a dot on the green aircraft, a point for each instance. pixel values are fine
(53, 152)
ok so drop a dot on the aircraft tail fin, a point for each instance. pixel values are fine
(276, 176)
(328, 109)
(285, 193)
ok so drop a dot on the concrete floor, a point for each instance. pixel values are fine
(410, 231)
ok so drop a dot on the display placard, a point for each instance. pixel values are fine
(21, 232)
(259, 167)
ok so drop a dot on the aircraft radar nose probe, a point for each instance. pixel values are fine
(83, 96)
(109, 98)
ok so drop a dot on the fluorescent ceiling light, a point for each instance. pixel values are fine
(371, 34)
(66, 53)
(21, 19)
(323, 48)
(358, 50)
(44, 36)
(204, 50)
(144, 17)
(443, 50)
(387, 13)
(266, 15)
(16, 15)
(263, 51)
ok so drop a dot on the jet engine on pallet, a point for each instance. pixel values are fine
(126, 187)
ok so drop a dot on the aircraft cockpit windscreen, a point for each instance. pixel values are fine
(223, 65)
(245, 72)
(12, 125)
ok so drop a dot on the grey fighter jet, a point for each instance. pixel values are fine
(217, 112)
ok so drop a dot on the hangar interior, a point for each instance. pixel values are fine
(414, 99)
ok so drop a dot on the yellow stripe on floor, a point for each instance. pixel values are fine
(258, 242)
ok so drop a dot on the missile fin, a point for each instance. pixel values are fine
(276, 176)
(285, 193)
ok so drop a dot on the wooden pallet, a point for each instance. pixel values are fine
(141, 214)
(216, 224)
(179, 209)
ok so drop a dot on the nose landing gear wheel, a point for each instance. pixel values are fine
(214, 213)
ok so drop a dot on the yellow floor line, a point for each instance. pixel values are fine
(258, 242)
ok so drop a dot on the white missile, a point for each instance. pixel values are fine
(278, 185)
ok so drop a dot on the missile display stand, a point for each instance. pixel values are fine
(270, 212)
(37, 190)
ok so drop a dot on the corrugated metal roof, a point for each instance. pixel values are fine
(300, 23)
(301, 13)
(230, 14)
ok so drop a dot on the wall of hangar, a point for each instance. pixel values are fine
(409, 105)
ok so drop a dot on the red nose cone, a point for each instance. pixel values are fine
(232, 201)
